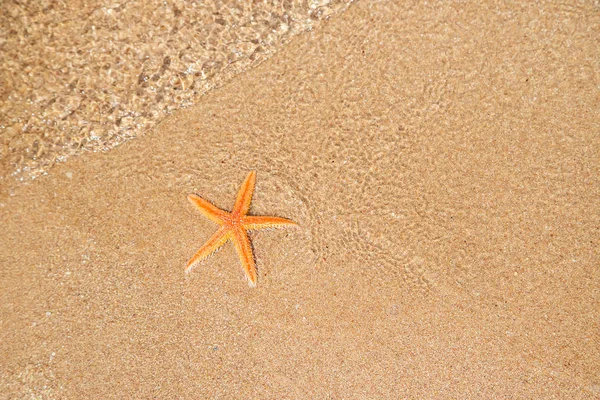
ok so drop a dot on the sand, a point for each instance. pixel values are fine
(90, 75)
(442, 161)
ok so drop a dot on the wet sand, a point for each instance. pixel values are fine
(442, 162)
(88, 76)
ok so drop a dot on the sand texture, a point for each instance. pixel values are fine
(442, 161)
(90, 75)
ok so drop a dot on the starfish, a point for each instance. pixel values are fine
(234, 226)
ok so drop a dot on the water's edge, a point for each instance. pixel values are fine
(93, 78)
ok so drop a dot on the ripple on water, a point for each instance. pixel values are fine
(94, 76)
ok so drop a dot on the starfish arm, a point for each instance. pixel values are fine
(217, 240)
(244, 196)
(208, 210)
(258, 222)
(244, 249)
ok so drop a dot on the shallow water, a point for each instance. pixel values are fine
(92, 75)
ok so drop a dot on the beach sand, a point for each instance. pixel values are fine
(442, 161)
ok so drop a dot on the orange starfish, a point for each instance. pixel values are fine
(234, 226)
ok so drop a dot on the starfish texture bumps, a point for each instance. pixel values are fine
(234, 226)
